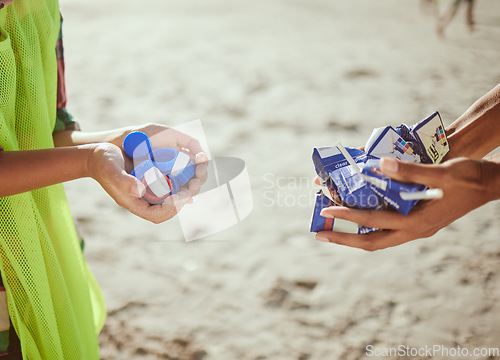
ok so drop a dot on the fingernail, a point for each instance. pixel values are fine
(322, 238)
(201, 157)
(389, 165)
(326, 214)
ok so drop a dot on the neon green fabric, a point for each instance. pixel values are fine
(54, 301)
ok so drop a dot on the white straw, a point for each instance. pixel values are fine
(375, 181)
(349, 158)
(422, 195)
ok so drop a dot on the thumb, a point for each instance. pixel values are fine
(427, 174)
(131, 185)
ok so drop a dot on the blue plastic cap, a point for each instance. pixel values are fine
(183, 177)
(140, 169)
(164, 159)
(137, 146)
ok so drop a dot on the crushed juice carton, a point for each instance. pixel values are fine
(386, 142)
(388, 189)
(318, 222)
(333, 168)
(430, 135)
(424, 142)
(336, 173)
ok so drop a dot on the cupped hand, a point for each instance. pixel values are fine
(162, 136)
(466, 184)
(106, 165)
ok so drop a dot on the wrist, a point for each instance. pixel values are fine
(491, 177)
(101, 156)
(87, 153)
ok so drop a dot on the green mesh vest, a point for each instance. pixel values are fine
(54, 302)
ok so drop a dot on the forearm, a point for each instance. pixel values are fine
(33, 169)
(477, 132)
(75, 138)
(491, 175)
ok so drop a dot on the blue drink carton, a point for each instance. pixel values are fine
(318, 222)
(356, 178)
(344, 181)
(386, 142)
(425, 142)
(333, 168)
(390, 190)
(429, 134)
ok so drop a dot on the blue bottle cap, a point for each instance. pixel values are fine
(164, 159)
(137, 146)
(140, 169)
(183, 177)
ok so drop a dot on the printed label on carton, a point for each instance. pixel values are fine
(431, 136)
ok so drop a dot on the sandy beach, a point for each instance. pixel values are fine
(271, 80)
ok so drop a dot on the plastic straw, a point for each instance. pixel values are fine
(377, 182)
(422, 195)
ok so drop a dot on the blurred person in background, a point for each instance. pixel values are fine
(451, 10)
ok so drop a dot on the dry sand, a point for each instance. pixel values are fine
(270, 80)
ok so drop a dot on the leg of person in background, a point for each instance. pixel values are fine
(448, 15)
(469, 16)
(428, 7)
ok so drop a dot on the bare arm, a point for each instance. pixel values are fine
(476, 132)
(103, 161)
(160, 136)
(33, 169)
(76, 137)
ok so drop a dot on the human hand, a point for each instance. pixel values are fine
(466, 184)
(164, 137)
(106, 165)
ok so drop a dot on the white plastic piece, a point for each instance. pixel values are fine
(180, 163)
(377, 182)
(156, 181)
(349, 158)
(422, 195)
(381, 184)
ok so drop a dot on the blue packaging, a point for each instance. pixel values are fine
(332, 167)
(430, 135)
(138, 147)
(387, 142)
(318, 222)
(389, 190)
(425, 142)
(354, 190)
